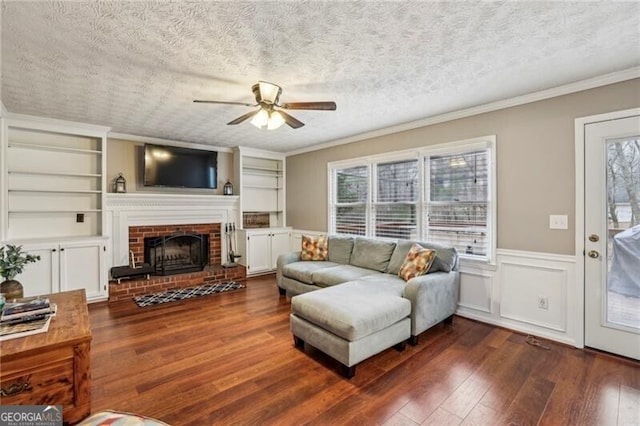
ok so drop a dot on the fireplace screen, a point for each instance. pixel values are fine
(177, 253)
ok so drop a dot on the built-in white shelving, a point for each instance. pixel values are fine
(53, 179)
(52, 195)
(260, 179)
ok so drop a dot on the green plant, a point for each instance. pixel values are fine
(13, 260)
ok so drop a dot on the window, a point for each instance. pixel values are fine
(352, 193)
(442, 194)
(395, 208)
(458, 200)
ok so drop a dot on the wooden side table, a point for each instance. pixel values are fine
(52, 368)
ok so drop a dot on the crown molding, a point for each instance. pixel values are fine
(159, 141)
(54, 124)
(566, 89)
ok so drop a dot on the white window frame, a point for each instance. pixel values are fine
(447, 148)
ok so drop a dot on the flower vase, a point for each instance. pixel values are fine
(12, 289)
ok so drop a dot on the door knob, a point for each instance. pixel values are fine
(593, 254)
(593, 238)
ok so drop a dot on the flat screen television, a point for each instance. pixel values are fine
(180, 167)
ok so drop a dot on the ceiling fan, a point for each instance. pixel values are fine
(270, 115)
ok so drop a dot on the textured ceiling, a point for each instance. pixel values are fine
(136, 66)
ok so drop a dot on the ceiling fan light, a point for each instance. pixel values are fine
(275, 120)
(261, 119)
(269, 92)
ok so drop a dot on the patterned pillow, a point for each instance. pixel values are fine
(314, 248)
(417, 262)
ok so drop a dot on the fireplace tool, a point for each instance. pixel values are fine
(232, 241)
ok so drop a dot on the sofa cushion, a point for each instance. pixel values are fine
(352, 310)
(314, 248)
(385, 282)
(303, 270)
(326, 277)
(340, 247)
(372, 254)
(417, 262)
(445, 260)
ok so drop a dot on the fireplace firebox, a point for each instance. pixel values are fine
(177, 253)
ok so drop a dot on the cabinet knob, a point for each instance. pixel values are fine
(62, 249)
(53, 250)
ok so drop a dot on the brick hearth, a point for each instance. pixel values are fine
(212, 274)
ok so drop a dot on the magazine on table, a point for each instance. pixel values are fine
(14, 331)
(18, 306)
(28, 315)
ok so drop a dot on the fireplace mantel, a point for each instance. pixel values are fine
(145, 209)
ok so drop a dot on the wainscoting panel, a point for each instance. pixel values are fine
(523, 284)
(475, 289)
(513, 287)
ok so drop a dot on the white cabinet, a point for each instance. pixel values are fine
(66, 265)
(51, 199)
(260, 248)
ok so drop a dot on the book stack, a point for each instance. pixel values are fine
(23, 317)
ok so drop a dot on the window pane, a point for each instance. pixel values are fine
(398, 181)
(459, 177)
(462, 225)
(352, 185)
(351, 219)
(397, 220)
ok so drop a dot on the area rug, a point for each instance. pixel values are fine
(186, 293)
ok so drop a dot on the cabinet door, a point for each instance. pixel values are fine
(41, 277)
(81, 267)
(258, 252)
(280, 244)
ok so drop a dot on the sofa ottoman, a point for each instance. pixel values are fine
(351, 322)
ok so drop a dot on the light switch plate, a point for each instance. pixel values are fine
(558, 221)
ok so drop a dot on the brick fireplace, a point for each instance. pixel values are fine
(137, 234)
(134, 217)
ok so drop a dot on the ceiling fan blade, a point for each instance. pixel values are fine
(324, 106)
(224, 102)
(243, 117)
(291, 121)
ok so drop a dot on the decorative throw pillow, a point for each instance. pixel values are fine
(314, 248)
(417, 262)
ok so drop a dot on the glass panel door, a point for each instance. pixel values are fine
(623, 232)
(612, 236)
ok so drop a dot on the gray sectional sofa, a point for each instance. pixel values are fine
(363, 306)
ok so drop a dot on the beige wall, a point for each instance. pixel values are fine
(535, 164)
(126, 157)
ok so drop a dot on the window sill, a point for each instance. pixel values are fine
(477, 262)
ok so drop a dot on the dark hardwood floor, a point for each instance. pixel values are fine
(230, 359)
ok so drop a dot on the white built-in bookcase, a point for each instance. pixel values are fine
(260, 179)
(52, 193)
